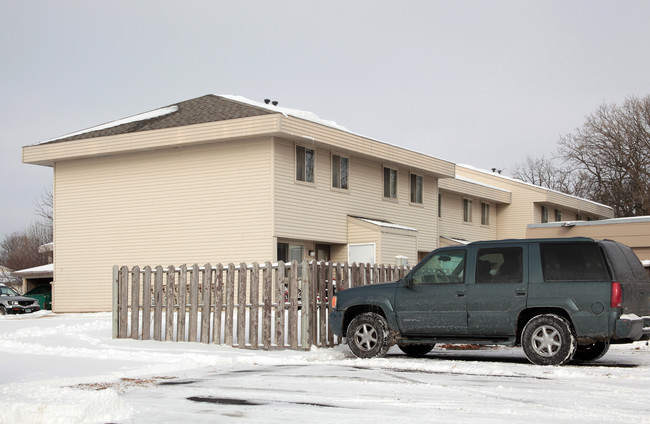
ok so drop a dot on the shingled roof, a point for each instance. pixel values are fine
(208, 108)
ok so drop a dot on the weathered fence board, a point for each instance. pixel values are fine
(246, 306)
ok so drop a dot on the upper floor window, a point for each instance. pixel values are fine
(416, 188)
(544, 214)
(340, 172)
(558, 215)
(390, 183)
(467, 210)
(485, 214)
(304, 164)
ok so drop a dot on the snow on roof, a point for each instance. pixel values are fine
(516, 180)
(469, 180)
(457, 240)
(627, 220)
(385, 224)
(139, 117)
(309, 116)
(37, 269)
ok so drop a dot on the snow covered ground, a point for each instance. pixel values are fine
(67, 369)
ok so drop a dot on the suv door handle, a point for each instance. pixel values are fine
(520, 292)
(460, 294)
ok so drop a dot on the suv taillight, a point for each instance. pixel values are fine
(617, 295)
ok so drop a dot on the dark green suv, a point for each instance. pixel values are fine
(560, 299)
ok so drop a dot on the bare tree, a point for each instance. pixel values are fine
(45, 207)
(20, 249)
(553, 174)
(612, 149)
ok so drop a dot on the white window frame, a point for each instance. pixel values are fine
(366, 246)
(467, 211)
(302, 168)
(485, 214)
(338, 174)
(418, 190)
(392, 182)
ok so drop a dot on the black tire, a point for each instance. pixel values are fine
(548, 340)
(2, 310)
(416, 350)
(368, 336)
(591, 352)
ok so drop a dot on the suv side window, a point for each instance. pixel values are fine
(443, 267)
(573, 262)
(500, 265)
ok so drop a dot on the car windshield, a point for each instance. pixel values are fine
(8, 291)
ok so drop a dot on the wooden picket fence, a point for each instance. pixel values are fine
(269, 306)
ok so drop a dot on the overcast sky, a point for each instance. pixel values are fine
(484, 83)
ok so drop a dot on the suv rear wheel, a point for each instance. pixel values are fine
(548, 340)
(591, 352)
(416, 350)
(368, 335)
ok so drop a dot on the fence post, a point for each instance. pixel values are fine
(205, 303)
(280, 303)
(306, 312)
(116, 282)
(241, 305)
(254, 316)
(267, 300)
(218, 304)
(124, 303)
(182, 304)
(135, 302)
(194, 303)
(293, 306)
(230, 303)
(170, 301)
(146, 304)
(158, 300)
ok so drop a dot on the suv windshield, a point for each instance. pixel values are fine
(8, 291)
(444, 267)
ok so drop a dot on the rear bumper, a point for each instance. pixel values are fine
(632, 327)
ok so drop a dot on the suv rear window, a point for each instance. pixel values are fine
(499, 265)
(573, 262)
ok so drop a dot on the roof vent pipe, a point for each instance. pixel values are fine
(274, 102)
(267, 101)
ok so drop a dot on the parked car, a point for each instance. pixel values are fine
(560, 299)
(43, 294)
(13, 303)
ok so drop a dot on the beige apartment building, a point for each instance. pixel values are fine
(484, 205)
(633, 231)
(223, 179)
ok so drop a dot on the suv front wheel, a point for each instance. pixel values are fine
(368, 335)
(548, 340)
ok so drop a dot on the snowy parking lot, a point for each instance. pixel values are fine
(68, 369)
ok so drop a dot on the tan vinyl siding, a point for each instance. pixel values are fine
(402, 243)
(322, 212)
(360, 232)
(625, 230)
(453, 226)
(525, 207)
(209, 203)
(358, 145)
(48, 153)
